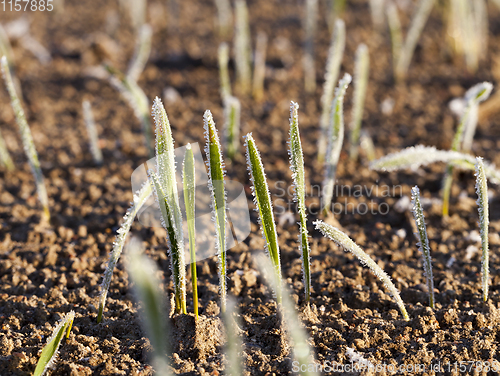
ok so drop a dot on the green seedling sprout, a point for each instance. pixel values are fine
(137, 100)
(143, 271)
(259, 72)
(335, 54)
(420, 155)
(49, 352)
(232, 115)
(361, 69)
(224, 18)
(216, 174)
(141, 54)
(342, 240)
(188, 181)
(395, 31)
(423, 241)
(299, 182)
(121, 235)
(419, 19)
(310, 26)
(88, 117)
(165, 189)
(262, 200)
(225, 84)
(5, 158)
(335, 141)
(233, 345)
(475, 95)
(242, 47)
(27, 139)
(482, 206)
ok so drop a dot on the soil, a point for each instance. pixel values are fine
(46, 270)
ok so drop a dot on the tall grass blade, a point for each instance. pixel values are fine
(27, 139)
(299, 182)
(49, 352)
(484, 220)
(262, 200)
(189, 185)
(335, 141)
(423, 241)
(242, 47)
(232, 115)
(121, 235)
(216, 185)
(225, 84)
(335, 54)
(342, 240)
(92, 132)
(361, 69)
(5, 158)
(141, 54)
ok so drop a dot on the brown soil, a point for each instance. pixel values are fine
(48, 270)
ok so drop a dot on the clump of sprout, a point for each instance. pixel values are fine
(361, 69)
(342, 240)
(232, 116)
(335, 54)
(49, 352)
(262, 200)
(418, 21)
(298, 175)
(189, 186)
(138, 201)
(5, 158)
(216, 174)
(310, 26)
(88, 117)
(423, 241)
(259, 69)
(335, 141)
(165, 189)
(225, 84)
(242, 47)
(482, 206)
(27, 139)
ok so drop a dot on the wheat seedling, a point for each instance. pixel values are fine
(310, 26)
(188, 181)
(417, 25)
(482, 206)
(342, 240)
(361, 69)
(216, 174)
(27, 139)
(121, 235)
(395, 31)
(225, 84)
(165, 189)
(299, 182)
(335, 141)
(259, 71)
(49, 352)
(335, 54)
(92, 132)
(232, 115)
(301, 349)
(423, 241)
(233, 345)
(141, 54)
(5, 158)
(242, 46)
(262, 200)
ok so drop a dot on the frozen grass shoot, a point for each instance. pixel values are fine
(225, 83)
(482, 207)
(5, 158)
(232, 118)
(88, 117)
(310, 26)
(242, 47)
(141, 54)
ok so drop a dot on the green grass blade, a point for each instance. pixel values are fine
(343, 241)
(423, 241)
(143, 271)
(216, 173)
(49, 352)
(299, 182)
(189, 186)
(138, 201)
(141, 54)
(335, 141)
(232, 114)
(262, 200)
(27, 139)
(92, 132)
(361, 69)
(484, 220)
(5, 158)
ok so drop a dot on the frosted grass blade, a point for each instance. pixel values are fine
(141, 54)
(482, 206)
(232, 115)
(242, 46)
(225, 83)
(395, 31)
(342, 240)
(224, 17)
(310, 26)
(92, 132)
(5, 158)
(259, 72)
